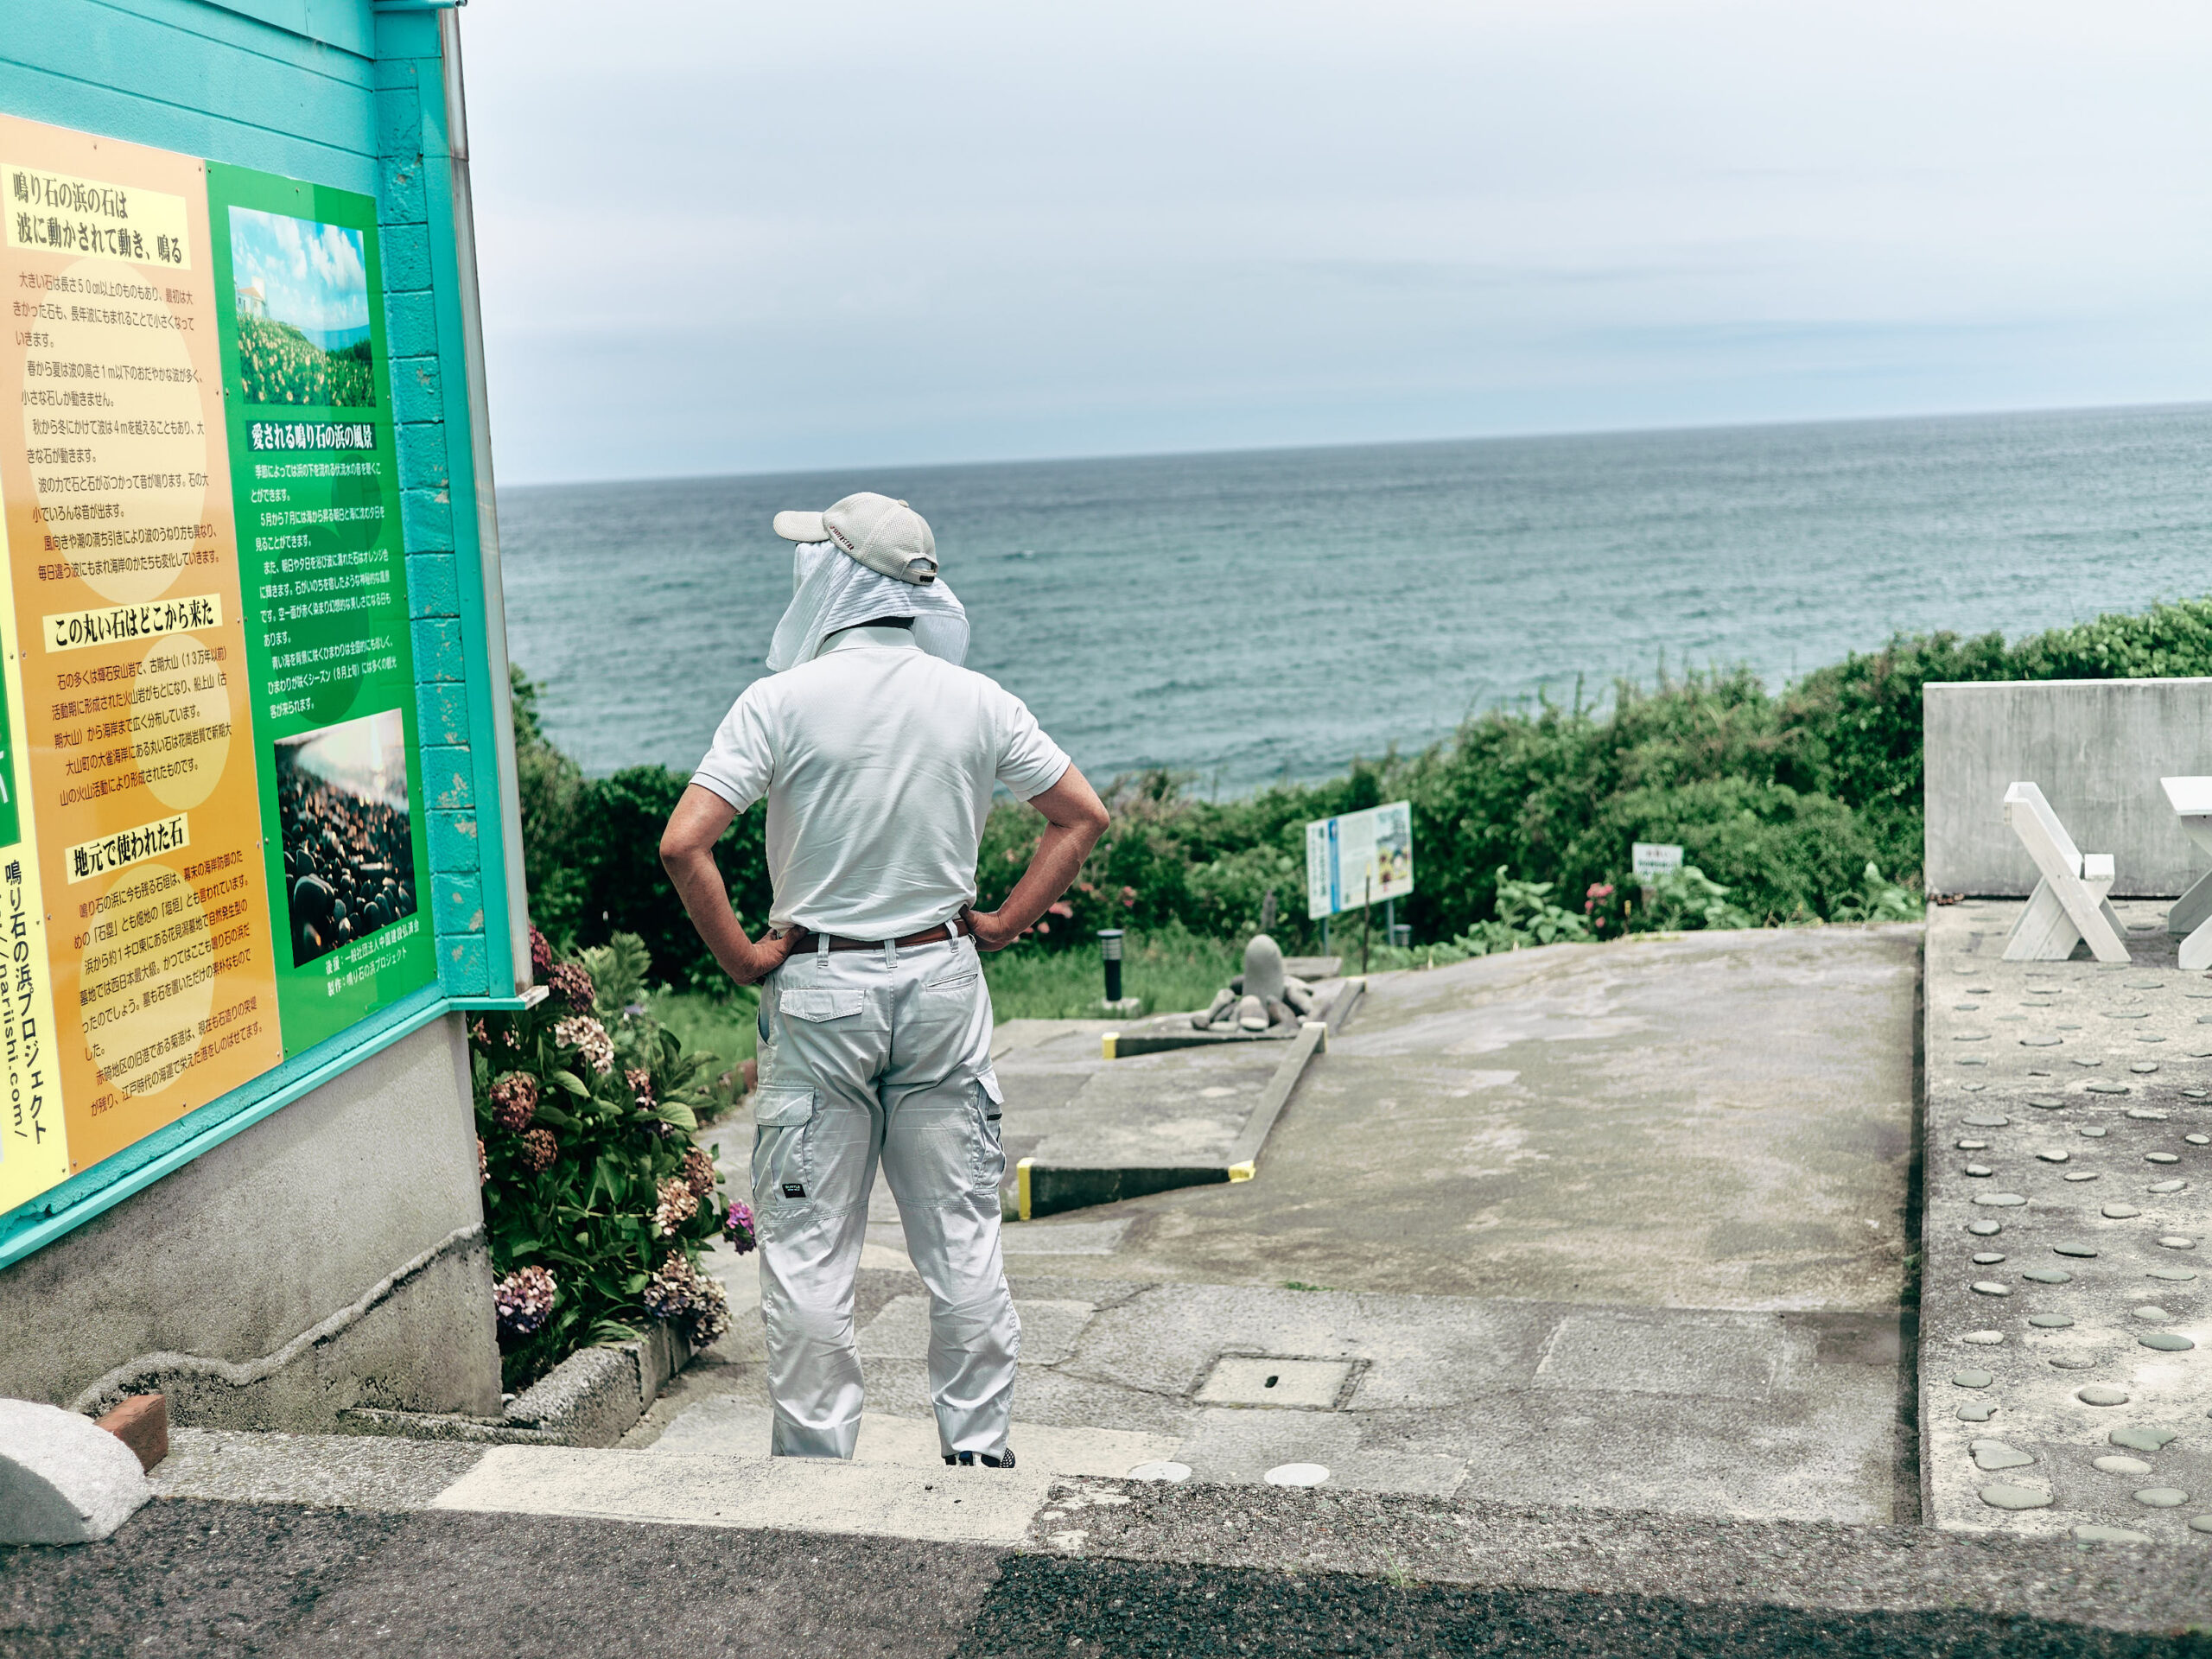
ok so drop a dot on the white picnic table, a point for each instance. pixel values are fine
(2191, 915)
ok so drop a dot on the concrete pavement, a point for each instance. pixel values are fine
(1621, 1225)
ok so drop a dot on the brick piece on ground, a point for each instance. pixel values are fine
(142, 1423)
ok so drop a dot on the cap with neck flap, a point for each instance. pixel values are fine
(888, 537)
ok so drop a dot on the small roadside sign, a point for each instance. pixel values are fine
(1652, 859)
(1359, 858)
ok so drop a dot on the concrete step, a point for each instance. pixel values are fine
(965, 1506)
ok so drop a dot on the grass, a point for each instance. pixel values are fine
(1170, 969)
(720, 1026)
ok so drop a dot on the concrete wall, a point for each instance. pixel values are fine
(331, 1255)
(2098, 748)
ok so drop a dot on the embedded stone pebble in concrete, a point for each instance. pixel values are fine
(1978, 1170)
(2162, 1497)
(1296, 1474)
(1991, 1288)
(1970, 1378)
(2003, 1495)
(1993, 1455)
(2080, 1320)
(2179, 1275)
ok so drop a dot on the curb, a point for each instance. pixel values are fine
(1050, 1189)
(592, 1398)
(1126, 1044)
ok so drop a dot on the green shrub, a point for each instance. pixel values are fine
(595, 1198)
(1782, 802)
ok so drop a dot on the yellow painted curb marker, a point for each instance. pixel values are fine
(1106, 1044)
(1021, 1187)
(1241, 1172)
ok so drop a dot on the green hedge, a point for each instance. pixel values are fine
(1782, 798)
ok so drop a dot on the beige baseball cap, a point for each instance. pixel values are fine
(886, 536)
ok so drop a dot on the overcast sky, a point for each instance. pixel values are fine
(720, 239)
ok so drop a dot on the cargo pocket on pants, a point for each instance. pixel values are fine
(783, 1155)
(989, 1167)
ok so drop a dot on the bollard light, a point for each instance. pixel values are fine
(1110, 953)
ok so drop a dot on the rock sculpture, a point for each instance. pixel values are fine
(1262, 998)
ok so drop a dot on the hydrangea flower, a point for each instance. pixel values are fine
(680, 1290)
(641, 1084)
(524, 1300)
(514, 1101)
(541, 954)
(699, 1172)
(539, 1149)
(737, 1228)
(678, 1204)
(581, 1031)
(572, 985)
(483, 1162)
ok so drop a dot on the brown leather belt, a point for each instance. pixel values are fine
(938, 935)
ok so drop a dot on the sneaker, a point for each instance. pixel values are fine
(969, 1459)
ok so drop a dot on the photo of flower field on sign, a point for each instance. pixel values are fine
(349, 848)
(301, 299)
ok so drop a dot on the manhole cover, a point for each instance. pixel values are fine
(1241, 1380)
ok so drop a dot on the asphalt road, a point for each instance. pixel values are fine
(200, 1578)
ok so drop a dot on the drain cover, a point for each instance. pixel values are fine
(1241, 1380)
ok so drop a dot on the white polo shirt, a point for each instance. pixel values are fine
(877, 762)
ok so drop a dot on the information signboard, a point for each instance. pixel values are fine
(1359, 858)
(210, 848)
(1650, 860)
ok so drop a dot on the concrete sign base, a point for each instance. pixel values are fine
(63, 1478)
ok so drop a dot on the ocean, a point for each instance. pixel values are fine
(1261, 616)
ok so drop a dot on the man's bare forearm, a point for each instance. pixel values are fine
(687, 853)
(1074, 819)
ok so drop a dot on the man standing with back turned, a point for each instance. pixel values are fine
(877, 753)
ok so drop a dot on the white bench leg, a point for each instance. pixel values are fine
(2196, 950)
(2045, 932)
(2192, 909)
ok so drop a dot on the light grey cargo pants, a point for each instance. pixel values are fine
(868, 1056)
